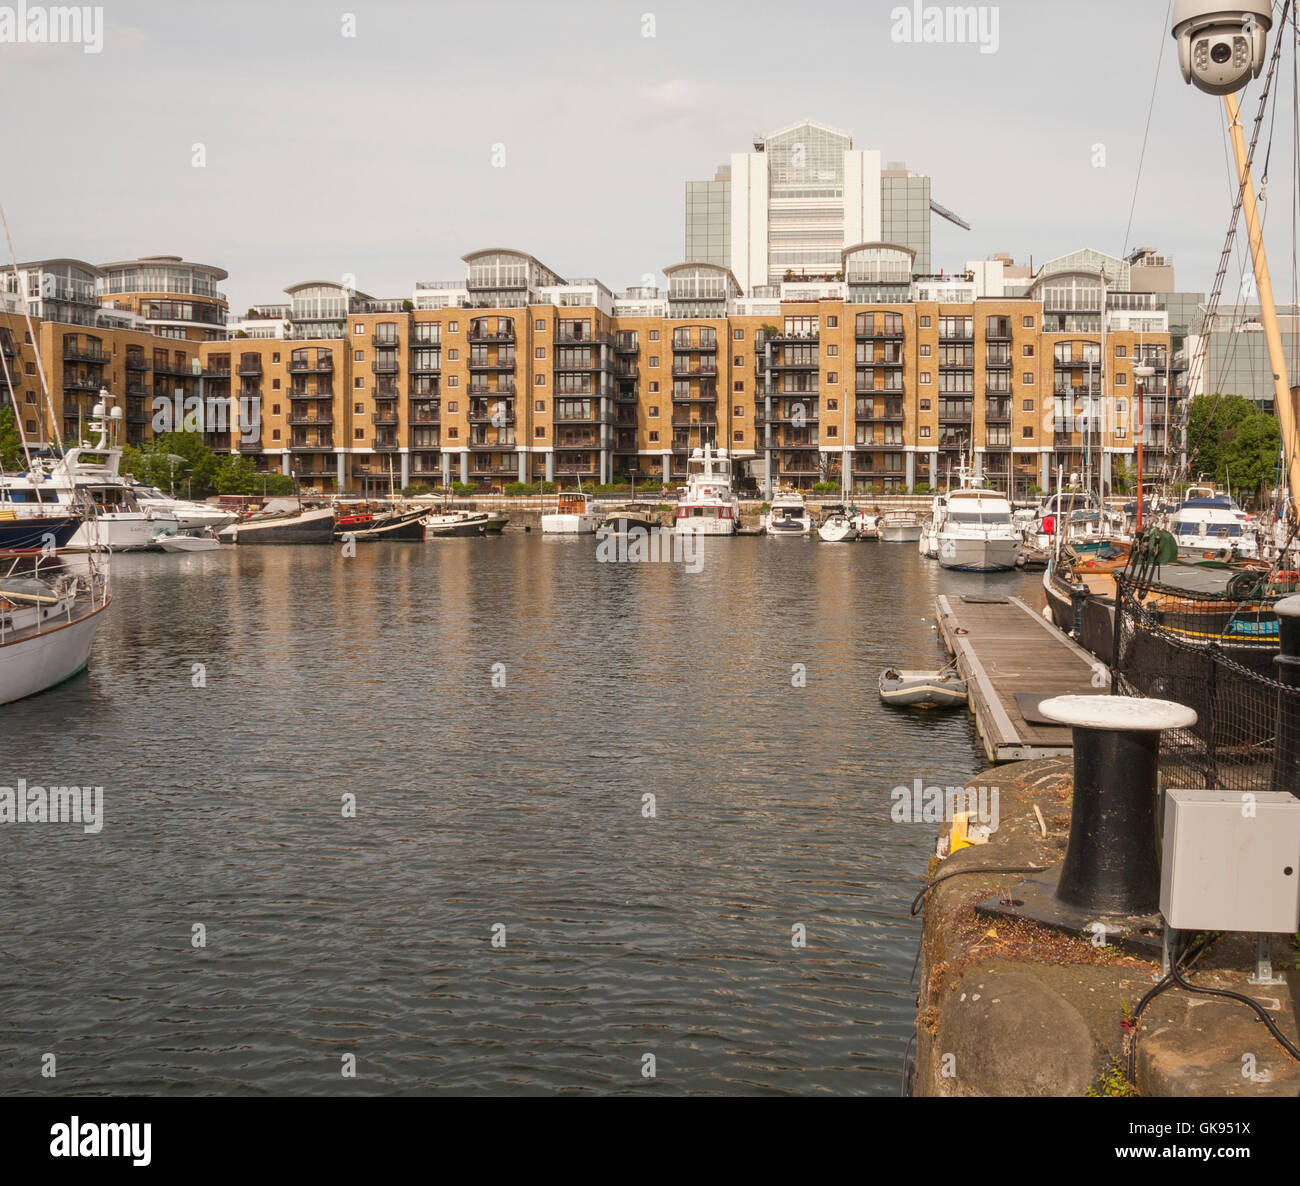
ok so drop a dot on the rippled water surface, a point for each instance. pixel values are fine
(480, 807)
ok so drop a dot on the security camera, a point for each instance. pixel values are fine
(1221, 49)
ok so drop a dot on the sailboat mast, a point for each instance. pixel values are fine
(1282, 404)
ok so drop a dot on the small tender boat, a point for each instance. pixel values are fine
(922, 689)
(839, 526)
(199, 541)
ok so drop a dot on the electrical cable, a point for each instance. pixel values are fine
(929, 885)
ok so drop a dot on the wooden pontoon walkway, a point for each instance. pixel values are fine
(1011, 658)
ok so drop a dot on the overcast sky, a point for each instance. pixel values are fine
(373, 155)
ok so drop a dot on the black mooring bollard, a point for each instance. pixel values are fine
(1286, 748)
(1112, 864)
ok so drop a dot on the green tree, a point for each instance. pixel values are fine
(1230, 440)
(11, 444)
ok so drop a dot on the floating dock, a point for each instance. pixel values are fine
(1012, 659)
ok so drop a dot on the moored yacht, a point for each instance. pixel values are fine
(839, 526)
(709, 506)
(1208, 526)
(88, 481)
(572, 516)
(973, 530)
(900, 527)
(789, 516)
(190, 516)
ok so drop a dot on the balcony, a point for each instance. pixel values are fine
(82, 383)
(501, 364)
(861, 388)
(683, 421)
(997, 333)
(301, 393)
(305, 419)
(813, 364)
(385, 341)
(780, 338)
(477, 335)
(136, 362)
(687, 371)
(383, 419)
(386, 392)
(317, 446)
(572, 337)
(505, 389)
(425, 340)
(387, 366)
(91, 354)
(501, 417)
(1076, 363)
(696, 397)
(250, 366)
(386, 444)
(622, 346)
(424, 418)
(892, 334)
(304, 366)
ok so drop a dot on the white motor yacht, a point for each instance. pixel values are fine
(192, 516)
(973, 529)
(709, 506)
(789, 516)
(89, 481)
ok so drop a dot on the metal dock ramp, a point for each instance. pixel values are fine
(1011, 658)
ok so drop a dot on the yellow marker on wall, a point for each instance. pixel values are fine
(959, 838)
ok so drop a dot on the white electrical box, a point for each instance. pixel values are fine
(1231, 861)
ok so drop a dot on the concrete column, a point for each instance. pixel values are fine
(550, 467)
(523, 465)
(979, 464)
(464, 468)
(406, 470)
(668, 468)
(1106, 470)
(911, 472)
(1045, 471)
(446, 468)
(846, 471)
(934, 469)
(341, 468)
(284, 464)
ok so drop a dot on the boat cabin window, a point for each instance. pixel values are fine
(989, 519)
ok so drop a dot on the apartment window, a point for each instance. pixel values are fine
(1121, 351)
(358, 434)
(925, 432)
(539, 380)
(925, 405)
(1121, 407)
(738, 435)
(29, 368)
(1028, 351)
(275, 384)
(358, 381)
(1027, 432)
(358, 355)
(654, 436)
(654, 363)
(738, 361)
(1121, 380)
(738, 335)
(654, 388)
(832, 430)
(738, 411)
(925, 378)
(540, 325)
(358, 329)
(654, 335)
(275, 357)
(832, 405)
(738, 385)
(539, 432)
(453, 326)
(832, 323)
(925, 351)
(451, 407)
(832, 377)
(275, 409)
(1121, 433)
(654, 410)
(832, 351)
(453, 381)
(453, 433)
(275, 434)
(1029, 323)
(453, 355)
(925, 322)
(358, 408)
(1027, 406)
(1027, 379)
(539, 352)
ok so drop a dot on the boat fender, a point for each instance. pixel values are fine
(1047, 613)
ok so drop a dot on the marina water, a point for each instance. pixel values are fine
(500, 709)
